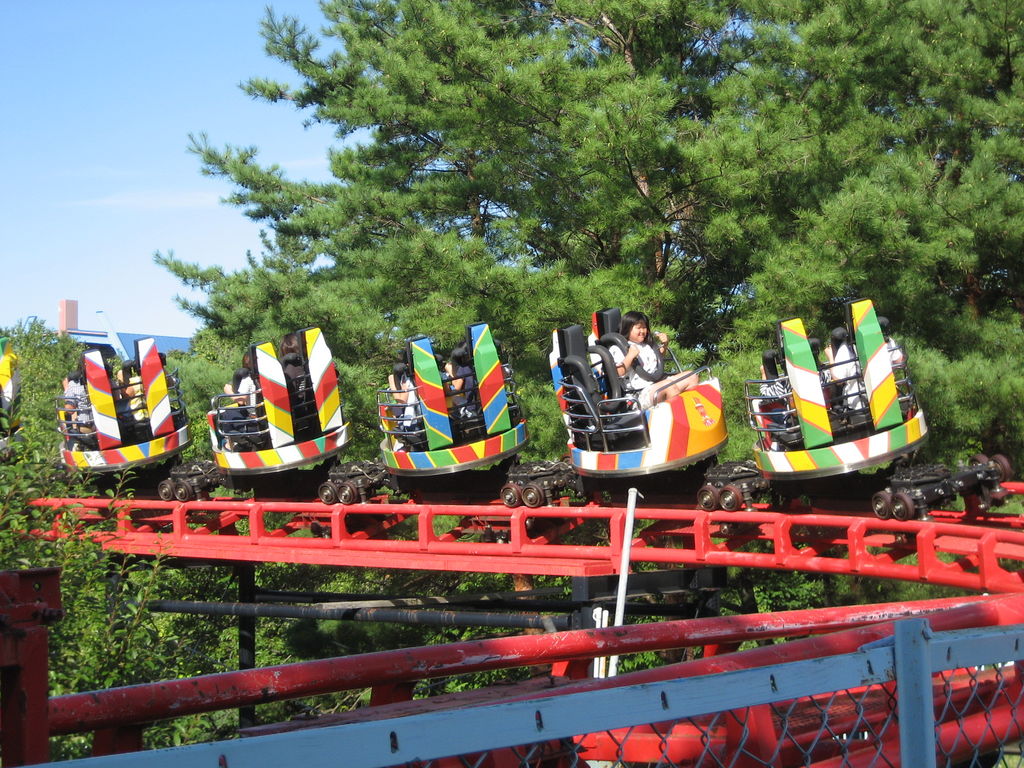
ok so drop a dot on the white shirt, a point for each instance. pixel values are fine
(649, 359)
(248, 387)
(845, 367)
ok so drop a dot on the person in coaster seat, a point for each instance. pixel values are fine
(462, 382)
(642, 364)
(404, 420)
(845, 370)
(130, 404)
(77, 408)
(238, 420)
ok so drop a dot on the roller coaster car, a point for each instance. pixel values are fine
(819, 420)
(10, 385)
(431, 430)
(610, 435)
(287, 423)
(130, 422)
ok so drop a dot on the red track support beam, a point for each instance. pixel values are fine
(984, 554)
(29, 601)
(84, 712)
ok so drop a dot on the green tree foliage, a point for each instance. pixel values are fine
(719, 165)
(510, 163)
(44, 359)
(886, 142)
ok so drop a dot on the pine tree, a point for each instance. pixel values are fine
(721, 166)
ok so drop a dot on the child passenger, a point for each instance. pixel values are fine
(462, 380)
(642, 365)
(403, 390)
(76, 402)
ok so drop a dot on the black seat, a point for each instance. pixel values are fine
(596, 423)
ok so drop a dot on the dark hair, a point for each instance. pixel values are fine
(634, 318)
(462, 355)
(290, 345)
(400, 366)
(883, 324)
(77, 376)
(838, 337)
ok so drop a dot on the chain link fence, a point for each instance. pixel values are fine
(953, 714)
(863, 697)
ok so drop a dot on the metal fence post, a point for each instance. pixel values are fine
(620, 595)
(915, 702)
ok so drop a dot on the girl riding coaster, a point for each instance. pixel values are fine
(625, 415)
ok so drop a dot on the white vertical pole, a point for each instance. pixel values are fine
(627, 544)
(600, 616)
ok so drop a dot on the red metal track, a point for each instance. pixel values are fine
(121, 712)
(980, 553)
(847, 628)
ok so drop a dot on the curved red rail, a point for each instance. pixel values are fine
(971, 553)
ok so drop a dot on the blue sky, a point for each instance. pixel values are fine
(99, 101)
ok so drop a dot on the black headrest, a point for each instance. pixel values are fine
(611, 373)
(572, 341)
(408, 349)
(607, 321)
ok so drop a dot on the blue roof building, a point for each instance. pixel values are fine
(110, 340)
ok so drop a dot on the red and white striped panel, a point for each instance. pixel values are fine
(154, 383)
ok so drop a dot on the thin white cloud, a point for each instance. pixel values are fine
(151, 200)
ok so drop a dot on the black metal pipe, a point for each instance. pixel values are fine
(393, 615)
(354, 601)
(246, 574)
(288, 596)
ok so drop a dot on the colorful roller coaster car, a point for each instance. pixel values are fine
(432, 429)
(857, 411)
(10, 384)
(610, 435)
(130, 421)
(287, 423)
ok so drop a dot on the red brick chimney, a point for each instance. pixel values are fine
(67, 315)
